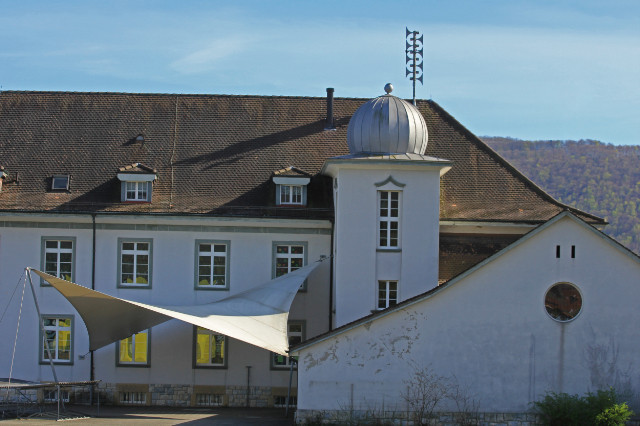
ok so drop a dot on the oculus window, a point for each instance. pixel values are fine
(563, 302)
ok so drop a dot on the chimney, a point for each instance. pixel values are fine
(329, 124)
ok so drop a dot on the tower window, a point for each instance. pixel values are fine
(388, 219)
(557, 252)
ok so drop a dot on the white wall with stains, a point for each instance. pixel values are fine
(490, 330)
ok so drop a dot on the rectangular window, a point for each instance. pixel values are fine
(290, 194)
(389, 219)
(289, 257)
(60, 182)
(51, 395)
(134, 350)
(210, 349)
(209, 400)
(212, 267)
(134, 266)
(295, 331)
(281, 400)
(136, 191)
(58, 334)
(133, 398)
(387, 294)
(57, 257)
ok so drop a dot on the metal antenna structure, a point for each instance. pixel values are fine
(414, 59)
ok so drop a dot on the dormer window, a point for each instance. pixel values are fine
(290, 194)
(136, 183)
(291, 187)
(136, 191)
(60, 183)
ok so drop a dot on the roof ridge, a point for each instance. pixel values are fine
(503, 162)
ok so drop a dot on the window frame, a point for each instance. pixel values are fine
(134, 363)
(211, 287)
(41, 346)
(289, 195)
(387, 294)
(194, 350)
(121, 242)
(287, 364)
(275, 257)
(388, 220)
(138, 190)
(43, 257)
(55, 178)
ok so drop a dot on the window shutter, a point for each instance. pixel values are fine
(149, 188)
(304, 195)
(123, 191)
(278, 194)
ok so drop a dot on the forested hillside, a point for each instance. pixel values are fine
(601, 179)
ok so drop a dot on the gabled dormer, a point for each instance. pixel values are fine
(291, 186)
(136, 183)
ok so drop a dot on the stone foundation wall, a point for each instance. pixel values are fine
(171, 395)
(404, 418)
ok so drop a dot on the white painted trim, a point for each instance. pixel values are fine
(281, 180)
(137, 177)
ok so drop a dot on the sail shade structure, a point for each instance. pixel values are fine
(257, 316)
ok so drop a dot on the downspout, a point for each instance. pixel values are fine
(93, 285)
(331, 277)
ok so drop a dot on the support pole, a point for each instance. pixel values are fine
(248, 383)
(292, 361)
(44, 334)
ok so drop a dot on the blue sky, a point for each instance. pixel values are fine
(531, 69)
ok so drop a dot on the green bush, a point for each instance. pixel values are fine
(614, 416)
(600, 408)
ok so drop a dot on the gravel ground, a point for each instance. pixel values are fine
(84, 415)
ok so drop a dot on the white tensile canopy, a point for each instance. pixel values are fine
(257, 316)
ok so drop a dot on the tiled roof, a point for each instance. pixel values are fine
(291, 172)
(216, 154)
(137, 168)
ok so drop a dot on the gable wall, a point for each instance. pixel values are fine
(490, 330)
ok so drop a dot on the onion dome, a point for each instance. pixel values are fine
(387, 124)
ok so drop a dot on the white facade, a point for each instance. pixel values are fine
(490, 330)
(250, 243)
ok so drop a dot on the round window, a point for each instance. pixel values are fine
(563, 302)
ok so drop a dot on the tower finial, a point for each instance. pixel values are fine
(414, 58)
(388, 88)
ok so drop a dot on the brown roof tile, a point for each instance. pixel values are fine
(216, 154)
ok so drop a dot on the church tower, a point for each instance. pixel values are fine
(386, 198)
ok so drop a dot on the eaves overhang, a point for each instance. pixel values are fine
(369, 161)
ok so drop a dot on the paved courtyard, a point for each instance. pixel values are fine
(161, 416)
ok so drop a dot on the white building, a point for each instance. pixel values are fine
(186, 199)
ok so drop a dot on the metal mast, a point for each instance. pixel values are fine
(414, 59)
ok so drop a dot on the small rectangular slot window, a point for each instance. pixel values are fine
(557, 252)
(573, 252)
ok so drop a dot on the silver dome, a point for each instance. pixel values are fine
(387, 124)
